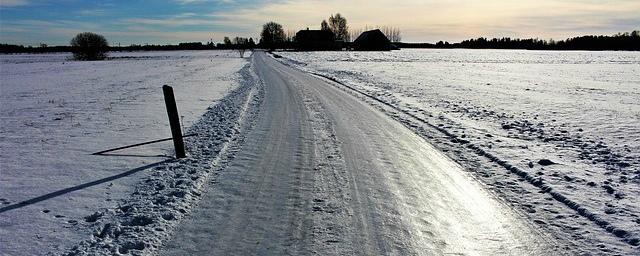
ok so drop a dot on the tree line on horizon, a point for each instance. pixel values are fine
(43, 48)
(628, 41)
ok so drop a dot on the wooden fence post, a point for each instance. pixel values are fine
(174, 121)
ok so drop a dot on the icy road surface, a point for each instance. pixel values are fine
(553, 133)
(323, 172)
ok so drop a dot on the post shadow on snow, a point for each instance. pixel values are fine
(179, 134)
(81, 186)
(135, 155)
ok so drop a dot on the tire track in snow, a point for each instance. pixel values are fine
(261, 201)
(411, 195)
(624, 235)
(331, 185)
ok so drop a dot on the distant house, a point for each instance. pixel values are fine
(316, 40)
(373, 40)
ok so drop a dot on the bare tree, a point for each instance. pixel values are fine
(324, 25)
(272, 35)
(290, 35)
(338, 24)
(241, 51)
(355, 33)
(393, 33)
(241, 44)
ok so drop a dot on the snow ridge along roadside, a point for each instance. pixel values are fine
(528, 183)
(140, 224)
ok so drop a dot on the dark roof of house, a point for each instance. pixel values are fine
(314, 35)
(372, 40)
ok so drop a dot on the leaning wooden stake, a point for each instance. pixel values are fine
(174, 121)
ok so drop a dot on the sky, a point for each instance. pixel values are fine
(55, 22)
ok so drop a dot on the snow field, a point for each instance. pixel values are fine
(474, 104)
(142, 222)
(56, 112)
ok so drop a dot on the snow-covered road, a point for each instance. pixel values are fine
(323, 172)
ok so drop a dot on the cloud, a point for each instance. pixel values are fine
(92, 12)
(59, 32)
(190, 1)
(170, 22)
(184, 2)
(185, 15)
(431, 20)
(33, 32)
(419, 20)
(12, 3)
(14, 30)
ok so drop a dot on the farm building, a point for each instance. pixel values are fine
(373, 40)
(316, 40)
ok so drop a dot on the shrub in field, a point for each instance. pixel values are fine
(89, 46)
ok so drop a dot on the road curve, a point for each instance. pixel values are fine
(322, 172)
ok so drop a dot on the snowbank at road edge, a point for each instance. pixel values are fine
(140, 224)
